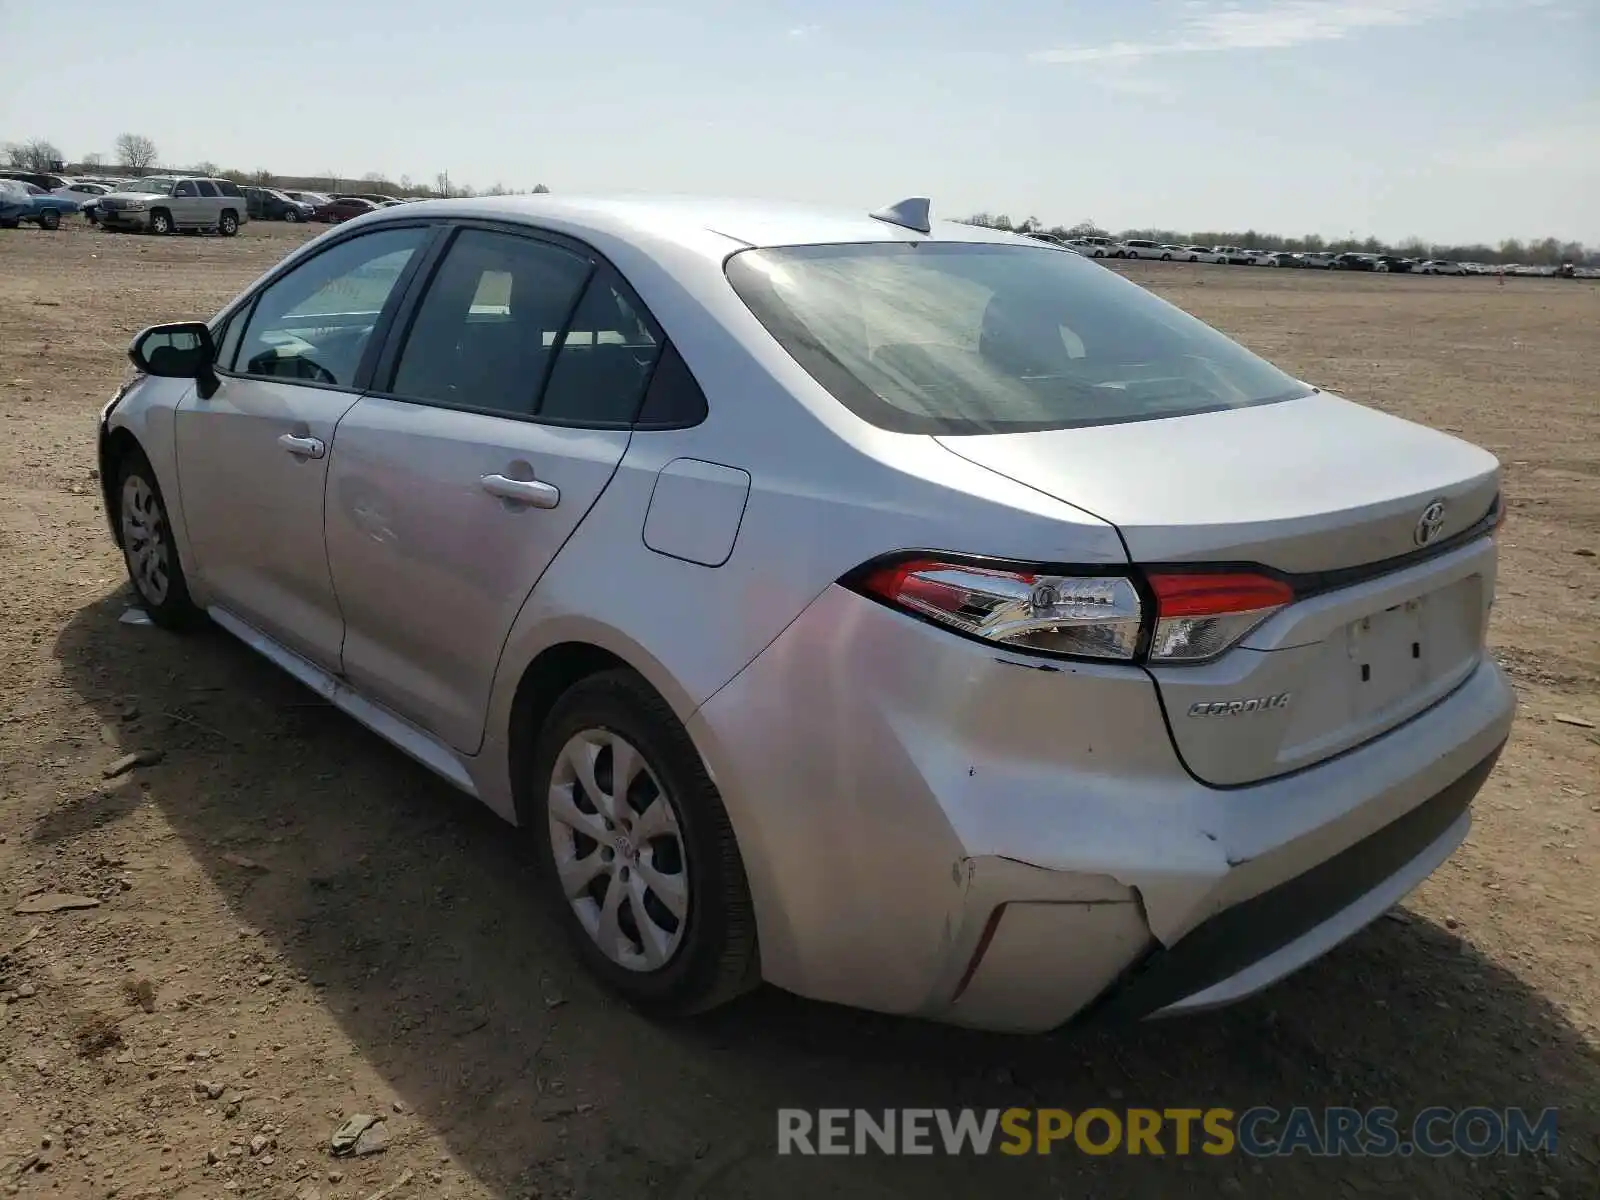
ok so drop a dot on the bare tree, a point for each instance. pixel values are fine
(539, 189)
(136, 151)
(207, 167)
(262, 178)
(94, 161)
(34, 155)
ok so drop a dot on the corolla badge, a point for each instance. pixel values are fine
(1430, 523)
(1237, 708)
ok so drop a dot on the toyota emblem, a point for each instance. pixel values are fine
(1429, 524)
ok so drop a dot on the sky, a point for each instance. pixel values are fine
(1449, 120)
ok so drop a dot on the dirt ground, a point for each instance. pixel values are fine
(326, 929)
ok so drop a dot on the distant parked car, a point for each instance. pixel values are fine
(343, 208)
(1144, 248)
(31, 203)
(1284, 258)
(1201, 254)
(1318, 260)
(1351, 261)
(1394, 263)
(40, 179)
(169, 203)
(1236, 256)
(269, 204)
(1094, 246)
(377, 198)
(314, 199)
(1438, 266)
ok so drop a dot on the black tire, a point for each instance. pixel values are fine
(9, 224)
(291, 215)
(161, 222)
(49, 219)
(1166, 258)
(141, 518)
(716, 958)
(228, 223)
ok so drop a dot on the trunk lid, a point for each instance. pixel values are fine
(1319, 488)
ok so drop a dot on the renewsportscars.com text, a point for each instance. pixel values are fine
(1258, 1132)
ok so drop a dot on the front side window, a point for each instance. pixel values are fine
(959, 338)
(487, 329)
(314, 323)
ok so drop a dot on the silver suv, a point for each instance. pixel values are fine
(166, 203)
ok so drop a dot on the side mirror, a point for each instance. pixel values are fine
(183, 350)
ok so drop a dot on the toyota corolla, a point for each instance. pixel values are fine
(908, 614)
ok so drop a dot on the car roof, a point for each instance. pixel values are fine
(686, 221)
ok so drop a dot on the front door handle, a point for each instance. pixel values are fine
(303, 447)
(522, 491)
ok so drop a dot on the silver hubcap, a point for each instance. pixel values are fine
(144, 540)
(618, 850)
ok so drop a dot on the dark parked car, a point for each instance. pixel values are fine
(343, 208)
(40, 179)
(1351, 261)
(377, 198)
(269, 204)
(1393, 262)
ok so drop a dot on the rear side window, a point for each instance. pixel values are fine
(674, 399)
(605, 359)
(970, 337)
(228, 188)
(486, 331)
(207, 188)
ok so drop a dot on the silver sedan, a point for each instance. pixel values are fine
(908, 614)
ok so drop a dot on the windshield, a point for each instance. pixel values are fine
(154, 185)
(953, 337)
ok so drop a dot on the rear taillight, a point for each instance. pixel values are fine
(1198, 616)
(1194, 617)
(1093, 616)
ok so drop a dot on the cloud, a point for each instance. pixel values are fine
(1212, 28)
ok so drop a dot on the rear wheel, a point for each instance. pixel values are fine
(228, 224)
(49, 219)
(638, 855)
(147, 546)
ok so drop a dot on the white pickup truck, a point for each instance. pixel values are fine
(168, 203)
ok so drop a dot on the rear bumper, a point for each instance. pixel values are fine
(934, 827)
(1260, 940)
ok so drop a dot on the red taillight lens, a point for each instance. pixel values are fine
(1093, 616)
(1198, 616)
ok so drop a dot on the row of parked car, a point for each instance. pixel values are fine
(1107, 247)
(170, 203)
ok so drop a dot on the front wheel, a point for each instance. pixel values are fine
(49, 219)
(292, 216)
(638, 855)
(147, 546)
(161, 222)
(1166, 258)
(228, 225)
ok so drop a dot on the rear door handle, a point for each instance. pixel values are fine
(522, 491)
(303, 447)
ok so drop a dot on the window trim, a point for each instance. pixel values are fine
(245, 307)
(388, 362)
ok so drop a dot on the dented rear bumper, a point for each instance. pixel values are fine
(936, 827)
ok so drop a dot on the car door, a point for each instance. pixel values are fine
(492, 430)
(252, 458)
(186, 204)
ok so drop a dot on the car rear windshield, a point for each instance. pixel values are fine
(956, 338)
